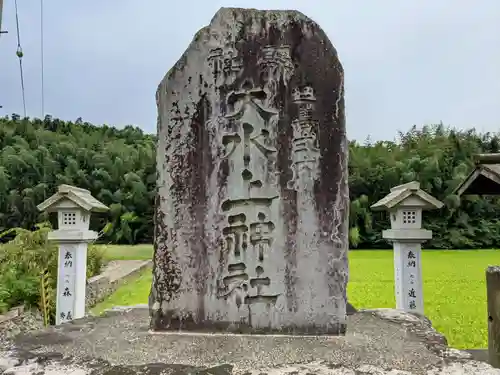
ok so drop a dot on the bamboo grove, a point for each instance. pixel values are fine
(118, 167)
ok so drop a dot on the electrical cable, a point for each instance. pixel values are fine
(41, 54)
(19, 54)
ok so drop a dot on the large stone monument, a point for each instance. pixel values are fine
(251, 231)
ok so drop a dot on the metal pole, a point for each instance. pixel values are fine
(1, 32)
(1, 8)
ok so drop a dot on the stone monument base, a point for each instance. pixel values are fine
(377, 342)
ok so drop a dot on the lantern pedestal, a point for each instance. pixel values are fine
(73, 207)
(72, 273)
(405, 204)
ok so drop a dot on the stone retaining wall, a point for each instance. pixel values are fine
(102, 286)
(12, 314)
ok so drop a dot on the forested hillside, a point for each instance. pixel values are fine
(118, 167)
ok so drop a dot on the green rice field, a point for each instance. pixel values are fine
(454, 287)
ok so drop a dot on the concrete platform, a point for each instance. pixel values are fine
(378, 342)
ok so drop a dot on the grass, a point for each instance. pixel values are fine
(454, 287)
(131, 293)
(121, 252)
(134, 291)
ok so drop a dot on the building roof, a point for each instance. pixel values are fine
(78, 196)
(400, 193)
(483, 180)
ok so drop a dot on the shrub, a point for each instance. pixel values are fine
(22, 261)
(95, 260)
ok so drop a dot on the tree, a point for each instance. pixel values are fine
(118, 167)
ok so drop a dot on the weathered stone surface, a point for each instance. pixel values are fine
(30, 320)
(377, 343)
(252, 204)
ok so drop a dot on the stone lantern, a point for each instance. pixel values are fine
(73, 207)
(405, 204)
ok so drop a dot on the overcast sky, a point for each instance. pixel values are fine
(406, 62)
